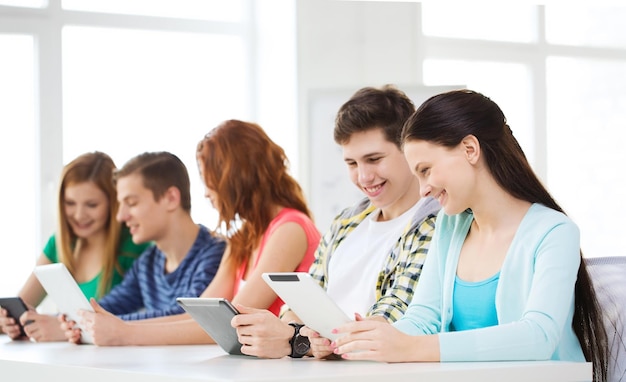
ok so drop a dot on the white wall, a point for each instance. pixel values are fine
(343, 46)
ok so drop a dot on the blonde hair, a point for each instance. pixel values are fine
(95, 167)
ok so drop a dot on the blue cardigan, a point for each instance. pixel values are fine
(534, 298)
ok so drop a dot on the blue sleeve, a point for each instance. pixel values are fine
(126, 296)
(543, 319)
(144, 314)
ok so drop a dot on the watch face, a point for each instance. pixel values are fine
(301, 345)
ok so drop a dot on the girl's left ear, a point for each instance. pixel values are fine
(471, 145)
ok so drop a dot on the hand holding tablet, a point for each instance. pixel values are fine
(214, 315)
(65, 293)
(15, 307)
(308, 300)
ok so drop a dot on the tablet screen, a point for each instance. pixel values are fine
(306, 298)
(64, 292)
(214, 315)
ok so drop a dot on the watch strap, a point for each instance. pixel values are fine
(299, 344)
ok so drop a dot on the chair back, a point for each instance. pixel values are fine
(608, 275)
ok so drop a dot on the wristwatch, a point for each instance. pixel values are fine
(300, 344)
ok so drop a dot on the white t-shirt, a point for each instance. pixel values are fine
(356, 263)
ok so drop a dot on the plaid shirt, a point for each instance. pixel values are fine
(396, 281)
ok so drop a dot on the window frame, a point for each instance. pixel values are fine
(45, 25)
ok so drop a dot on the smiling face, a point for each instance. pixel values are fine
(379, 169)
(443, 173)
(145, 217)
(87, 209)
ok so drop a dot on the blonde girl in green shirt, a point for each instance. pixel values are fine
(89, 241)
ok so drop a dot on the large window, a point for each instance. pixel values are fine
(479, 75)
(586, 131)
(216, 10)
(126, 77)
(469, 20)
(557, 71)
(18, 159)
(127, 91)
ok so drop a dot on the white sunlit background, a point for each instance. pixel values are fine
(125, 92)
(126, 77)
(18, 154)
(136, 76)
(561, 88)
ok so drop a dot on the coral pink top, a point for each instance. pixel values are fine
(286, 215)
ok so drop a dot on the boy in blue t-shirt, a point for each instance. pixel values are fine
(155, 203)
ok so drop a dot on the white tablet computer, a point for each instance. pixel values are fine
(64, 292)
(308, 300)
(214, 315)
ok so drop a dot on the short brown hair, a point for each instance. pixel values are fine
(159, 171)
(386, 108)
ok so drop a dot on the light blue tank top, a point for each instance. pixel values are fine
(474, 304)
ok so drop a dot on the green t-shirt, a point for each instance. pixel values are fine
(128, 253)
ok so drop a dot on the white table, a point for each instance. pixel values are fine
(67, 362)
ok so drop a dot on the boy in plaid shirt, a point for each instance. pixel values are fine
(371, 258)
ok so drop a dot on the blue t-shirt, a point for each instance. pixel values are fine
(147, 291)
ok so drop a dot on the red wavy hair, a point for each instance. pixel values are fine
(249, 173)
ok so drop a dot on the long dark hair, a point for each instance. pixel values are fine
(446, 119)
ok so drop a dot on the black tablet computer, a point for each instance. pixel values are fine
(15, 306)
(214, 315)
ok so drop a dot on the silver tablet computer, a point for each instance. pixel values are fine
(308, 300)
(64, 292)
(214, 315)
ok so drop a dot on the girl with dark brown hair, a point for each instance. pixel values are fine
(504, 278)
